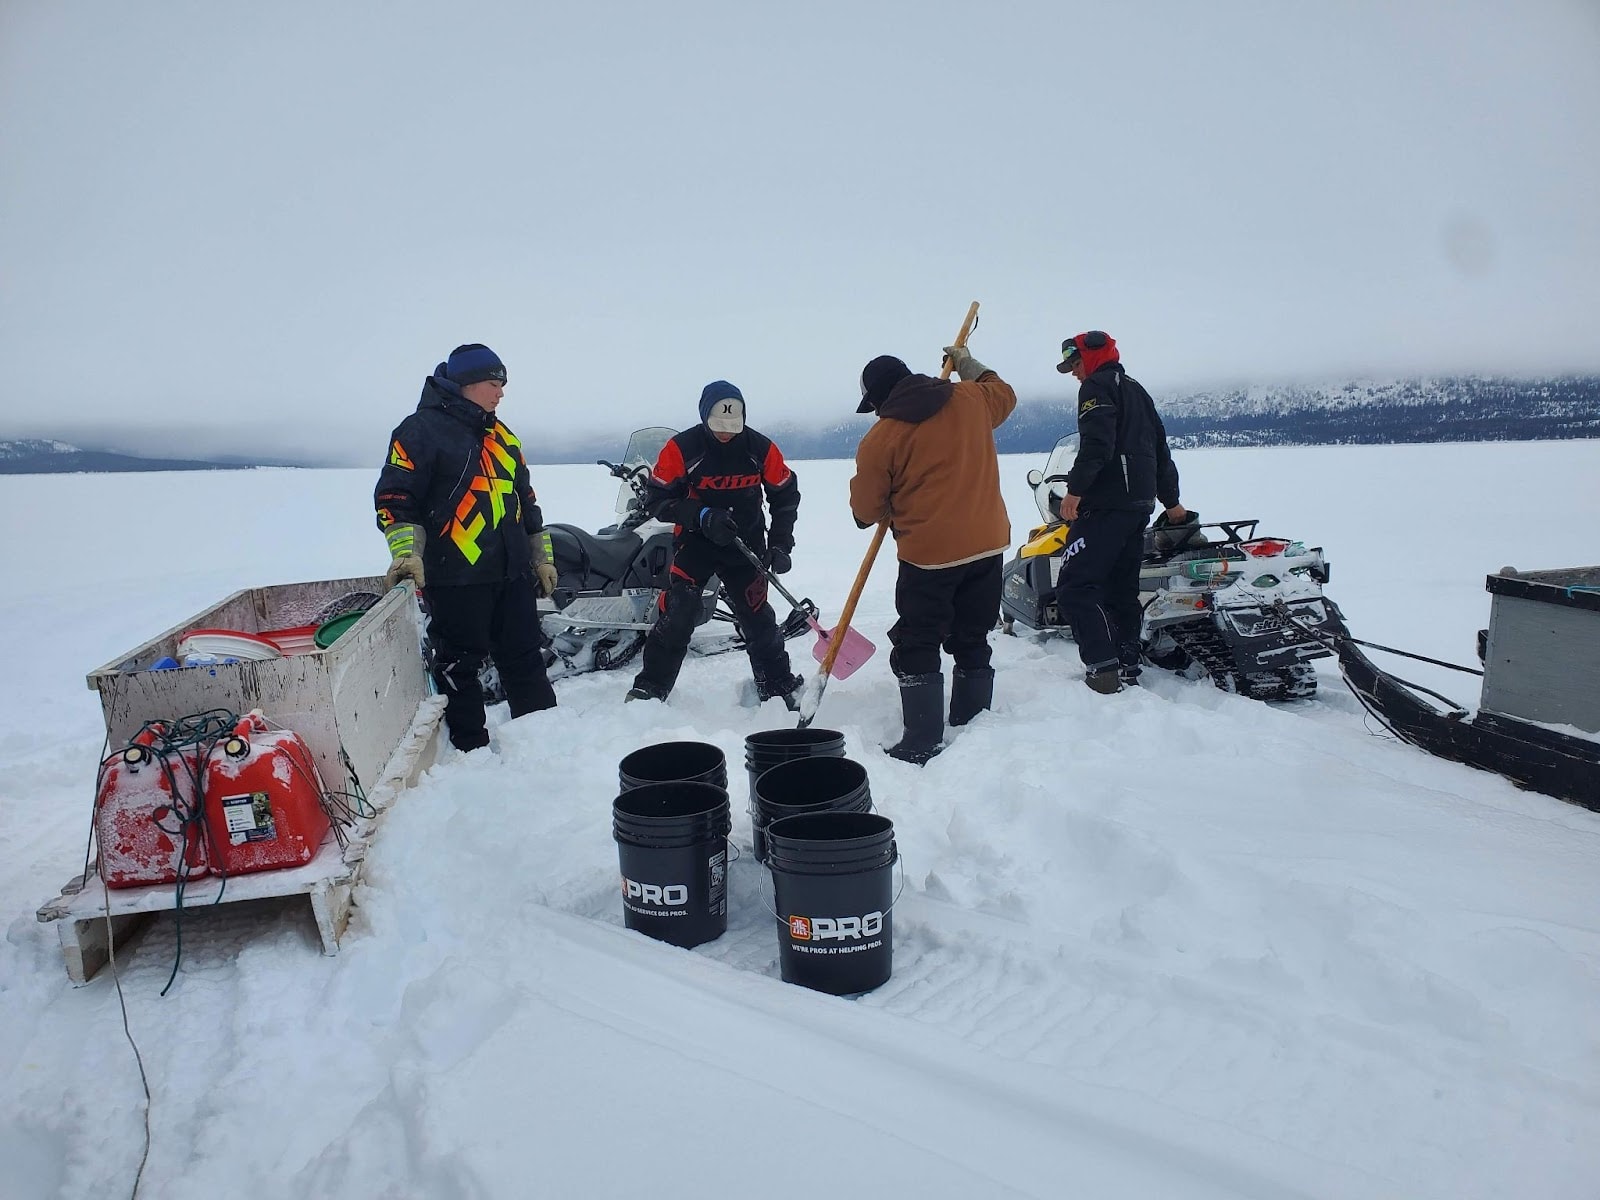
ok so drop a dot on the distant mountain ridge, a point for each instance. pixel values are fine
(1464, 409)
(1436, 409)
(45, 456)
(1461, 409)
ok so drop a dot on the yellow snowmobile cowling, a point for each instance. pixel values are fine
(1045, 540)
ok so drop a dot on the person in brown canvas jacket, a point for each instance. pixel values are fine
(928, 465)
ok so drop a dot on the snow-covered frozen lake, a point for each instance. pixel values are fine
(1171, 943)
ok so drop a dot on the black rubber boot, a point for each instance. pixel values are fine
(922, 708)
(970, 693)
(1129, 657)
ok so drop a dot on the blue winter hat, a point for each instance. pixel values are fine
(722, 407)
(473, 363)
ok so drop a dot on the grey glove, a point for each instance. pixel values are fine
(543, 561)
(964, 365)
(405, 545)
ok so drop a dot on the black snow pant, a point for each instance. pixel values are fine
(953, 607)
(1098, 589)
(694, 561)
(470, 622)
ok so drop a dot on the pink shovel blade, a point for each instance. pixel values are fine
(853, 651)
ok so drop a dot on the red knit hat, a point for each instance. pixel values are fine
(1094, 349)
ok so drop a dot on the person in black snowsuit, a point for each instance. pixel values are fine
(709, 482)
(1123, 466)
(461, 519)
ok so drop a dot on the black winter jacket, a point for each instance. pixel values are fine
(458, 472)
(1123, 459)
(696, 471)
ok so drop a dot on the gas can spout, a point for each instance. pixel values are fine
(254, 721)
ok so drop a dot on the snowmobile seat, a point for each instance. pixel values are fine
(608, 556)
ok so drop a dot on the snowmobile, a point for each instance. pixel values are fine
(609, 582)
(1208, 594)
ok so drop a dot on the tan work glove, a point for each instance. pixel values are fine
(405, 544)
(544, 566)
(963, 364)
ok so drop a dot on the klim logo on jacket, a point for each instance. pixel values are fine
(727, 483)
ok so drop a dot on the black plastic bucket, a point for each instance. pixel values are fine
(831, 890)
(672, 844)
(674, 762)
(806, 785)
(765, 750)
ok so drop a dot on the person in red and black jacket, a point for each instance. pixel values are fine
(709, 482)
(456, 507)
(1123, 466)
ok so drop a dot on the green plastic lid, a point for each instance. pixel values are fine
(330, 632)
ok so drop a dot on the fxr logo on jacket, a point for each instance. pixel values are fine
(483, 504)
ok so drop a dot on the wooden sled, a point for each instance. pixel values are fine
(88, 915)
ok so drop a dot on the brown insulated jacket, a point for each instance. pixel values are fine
(929, 465)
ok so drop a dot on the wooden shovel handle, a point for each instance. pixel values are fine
(961, 338)
(837, 638)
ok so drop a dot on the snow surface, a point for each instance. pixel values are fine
(1171, 943)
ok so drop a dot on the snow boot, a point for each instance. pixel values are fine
(1128, 663)
(922, 708)
(1105, 680)
(785, 685)
(970, 693)
(644, 691)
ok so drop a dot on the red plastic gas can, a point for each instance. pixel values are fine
(145, 806)
(263, 800)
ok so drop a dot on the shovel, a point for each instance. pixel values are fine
(811, 694)
(853, 650)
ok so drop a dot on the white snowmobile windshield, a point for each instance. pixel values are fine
(644, 447)
(1053, 484)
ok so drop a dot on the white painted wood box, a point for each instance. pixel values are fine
(1542, 659)
(360, 693)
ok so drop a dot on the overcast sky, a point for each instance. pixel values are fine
(234, 225)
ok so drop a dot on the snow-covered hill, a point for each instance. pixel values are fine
(1170, 943)
(29, 447)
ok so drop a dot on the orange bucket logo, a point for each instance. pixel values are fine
(800, 928)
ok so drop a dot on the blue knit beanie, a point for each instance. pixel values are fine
(714, 404)
(473, 363)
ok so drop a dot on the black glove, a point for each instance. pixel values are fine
(718, 526)
(778, 560)
(1170, 538)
